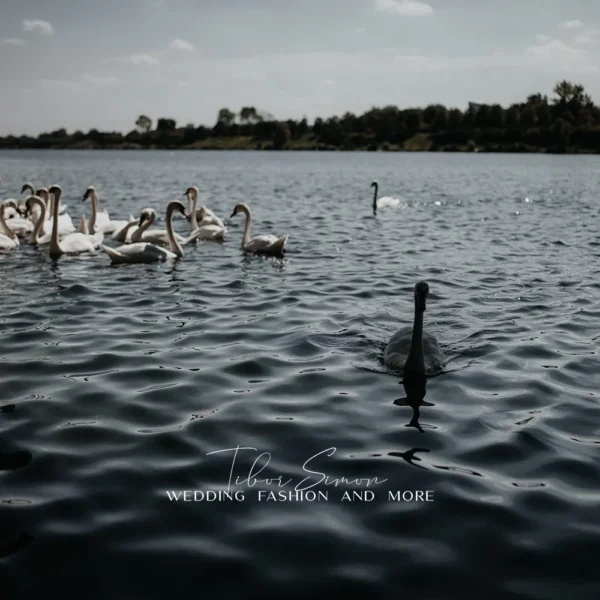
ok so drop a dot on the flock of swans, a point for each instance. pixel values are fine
(43, 220)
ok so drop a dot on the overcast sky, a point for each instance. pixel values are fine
(85, 64)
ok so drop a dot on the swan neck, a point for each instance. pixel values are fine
(5, 228)
(416, 360)
(193, 217)
(35, 234)
(136, 236)
(54, 246)
(92, 225)
(246, 237)
(376, 187)
(173, 243)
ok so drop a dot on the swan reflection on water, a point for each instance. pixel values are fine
(415, 389)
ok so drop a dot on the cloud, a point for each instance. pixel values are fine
(407, 8)
(101, 80)
(181, 45)
(143, 59)
(575, 24)
(556, 53)
(542, 37)
(14, 42)
(61, 85)
(589, 37)
(38, 26)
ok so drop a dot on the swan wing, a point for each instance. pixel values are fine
(207, 232)
(387, 201)
(7, 243)
(398, 349)
(76, 243)
(140, 252)
(266, 244)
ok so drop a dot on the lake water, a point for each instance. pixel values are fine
(118, 382)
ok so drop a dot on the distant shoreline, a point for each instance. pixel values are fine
(569, 123)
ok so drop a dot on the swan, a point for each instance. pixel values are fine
(19, 225)
(260, 244)
(8, 238)
(35, 207)
(154, 236)
(65, 223)
(206, 230)
(75, 243)
(100, 220)
(28, 187)
(192, 196)
(203, 218)
(411, 350)
(144, 252)
(123, 234)
(384, 201)
(10, 211)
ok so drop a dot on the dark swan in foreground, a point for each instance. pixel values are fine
(411, 350)
(384, 201)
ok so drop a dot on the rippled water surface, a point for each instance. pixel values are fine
(117, 382)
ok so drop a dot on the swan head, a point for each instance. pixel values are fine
(30, 202)
(176, 205)
(28, 186)
(192, 191)
(374, 184)
(88, 193)
(55, 189)
(148, 214)
(421, 293)
(240, 208)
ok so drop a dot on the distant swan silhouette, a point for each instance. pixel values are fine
(411, 350)
(260, 244)
(384, 201)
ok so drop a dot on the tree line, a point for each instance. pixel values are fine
(567, 122)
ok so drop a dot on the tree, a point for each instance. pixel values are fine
(166, 124)
(248, 114)
(143, 124)
(226, 117)
(513, 116)
(440, 120)
(455, 118)
(281, 136)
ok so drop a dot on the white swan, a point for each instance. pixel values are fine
(123, 234)
(207, 215)
(260, 244)
(10, 211)
(410, 349)
(154, 236)
(65, 223)
(28, 187)
(384, 201)
(75, 243)
(144, 252)
(17, 224)
(204, 230)
(35, 206)
(100, 220)
(8, 238)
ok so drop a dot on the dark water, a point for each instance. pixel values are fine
(116, 383)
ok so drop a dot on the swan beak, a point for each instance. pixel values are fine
(422, 300)
(23, 188)
(233, 214)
